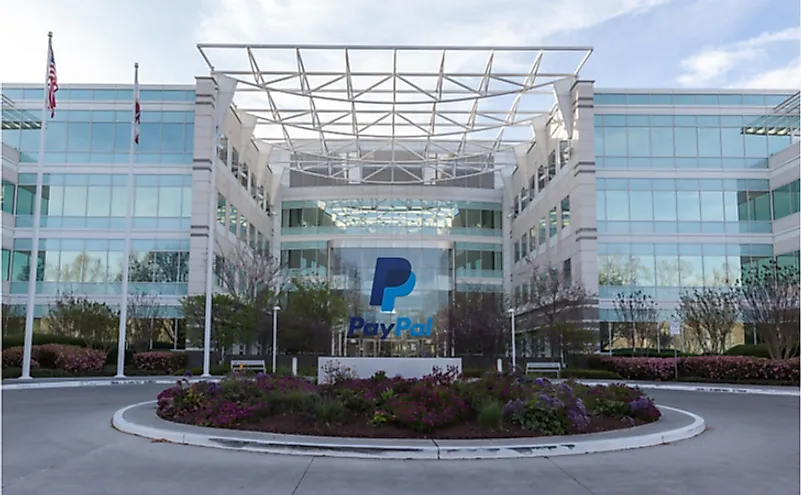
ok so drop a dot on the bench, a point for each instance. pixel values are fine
(248, 365)
(544, 366)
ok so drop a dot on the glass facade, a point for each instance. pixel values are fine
(714, 206)
(626, 141)
(94, 266)
(92, 201)
(104, 136)
(391, 216)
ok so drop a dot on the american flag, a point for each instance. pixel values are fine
(137, 110)
(52, 82)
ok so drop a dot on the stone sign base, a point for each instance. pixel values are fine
(365, 367)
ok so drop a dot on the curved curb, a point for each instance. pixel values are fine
(98, 383)
(397, 449)
(790, 392)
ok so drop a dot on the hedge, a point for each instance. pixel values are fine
(711, 368)
(106, 371)
(755, 350)
(160, 360)
(664, 353)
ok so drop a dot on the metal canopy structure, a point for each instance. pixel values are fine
(783, 121)
(333, 108)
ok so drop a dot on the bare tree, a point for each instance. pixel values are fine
(476, 323)
(561, 311)
(146, 320)
(640, 318)
(13, 320)
(771, 304)
(252, 279)
(710, 314)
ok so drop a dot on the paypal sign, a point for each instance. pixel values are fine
(393, 278)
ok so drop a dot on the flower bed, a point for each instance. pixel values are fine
(707, 368)
(436, 406)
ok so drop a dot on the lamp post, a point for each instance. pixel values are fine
(276, 309)
(514, 344)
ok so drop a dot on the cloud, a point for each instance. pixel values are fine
(712, 64)
(785, 77)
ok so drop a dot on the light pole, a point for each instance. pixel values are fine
(514, 349)
(276, 309)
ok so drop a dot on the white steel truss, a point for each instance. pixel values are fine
(439, 108)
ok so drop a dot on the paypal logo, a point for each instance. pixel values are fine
(393, 278)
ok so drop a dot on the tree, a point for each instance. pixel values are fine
(710, 314)
(232, 321)
(640, 318)
(13, 320)
(310, 313)
(476, 323)
(94, 322)
(146, 320)
(254, 280)
(561, 311)
(771, 303)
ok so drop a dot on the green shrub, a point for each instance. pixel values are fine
(754, 350)
(215, 370)
(590, 374)
(490, 415)
(293, 401)
(328, 412)
(111, 357)
(663, 353)
(41, 339)
(12, 373)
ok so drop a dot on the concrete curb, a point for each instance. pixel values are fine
(401, 449)
(790, 392)
(97, 383)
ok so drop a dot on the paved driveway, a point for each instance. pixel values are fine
(60, 441)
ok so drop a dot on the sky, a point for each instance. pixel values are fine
(637, 43)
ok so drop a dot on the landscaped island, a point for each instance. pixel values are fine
(437, 406)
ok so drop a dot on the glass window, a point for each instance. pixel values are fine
(78, 138)
(172, 138)
(565, 207)
(686, 141)
(617, 205)
(732, 143)
(662, 141)
(614, 142)
(761, 205)
(639, 141)
(102, 136)
(600, 150)
(712, 206)
(641, 205)
(553, 222)
(169, 202)
(56, 136)
(122, 137)
(75, 198)
(149, 138)
(756, 146)
(9, 193)
(146, 201)
(99, 201)
(709, 142)
(119, 201)
(688, 203)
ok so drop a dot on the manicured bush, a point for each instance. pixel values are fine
(648, 352)
(711, 368)
(160, 360)
(754, 350)
(79, 360)
(111, 357)
(438, 402)
(41, 339)
(12, 358)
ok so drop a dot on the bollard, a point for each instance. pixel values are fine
(500, 365)
(294, 366)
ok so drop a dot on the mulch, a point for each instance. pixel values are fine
(360, 427)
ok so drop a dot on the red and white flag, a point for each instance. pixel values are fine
(137, 111)
(52, 81)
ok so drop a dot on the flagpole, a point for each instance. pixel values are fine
(210, 253)
(37, 215)
(128, 226)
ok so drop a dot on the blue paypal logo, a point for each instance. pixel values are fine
(393, 278)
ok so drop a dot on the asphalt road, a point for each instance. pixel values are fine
(60, 441)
